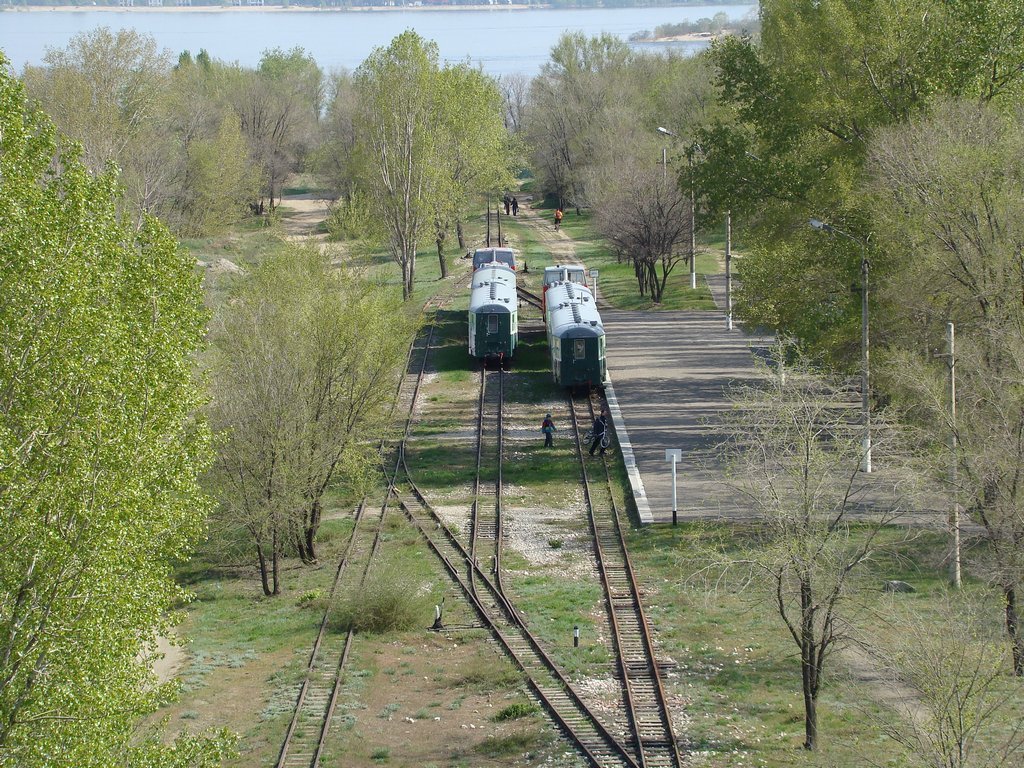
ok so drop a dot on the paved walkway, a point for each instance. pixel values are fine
(670, 372)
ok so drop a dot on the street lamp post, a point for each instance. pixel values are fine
(693, 207)
(864, 338)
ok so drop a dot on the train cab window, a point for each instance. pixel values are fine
(492, 323)
(579, 351)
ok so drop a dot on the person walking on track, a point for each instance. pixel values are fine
(515, 206)
(548, 428)
(599, 432)
(558, 217)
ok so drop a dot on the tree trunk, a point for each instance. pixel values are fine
(461, 235)
(1013, 629)
(263, 570)
(312, 526)
(440, 257)
(808, 666)
(405, 279)
(276, 559)
(810, 720)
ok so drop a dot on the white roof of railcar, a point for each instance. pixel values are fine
(572, 312)
(557, 273)
(494, 290)
(483, 256)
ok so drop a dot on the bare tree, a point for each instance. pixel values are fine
(647, 219)
(794, 450)
(514, 91)
(947, 189)
(957, 706)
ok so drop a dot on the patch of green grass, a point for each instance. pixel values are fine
(510, 744)
(485, 672)
(441, 465)
(552, 606)
(380, 755)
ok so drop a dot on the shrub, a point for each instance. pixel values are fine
(309, 598)
(390, 600)
(515, 711)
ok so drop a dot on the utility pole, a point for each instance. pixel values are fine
(728, 270)
(488, 241)
(954, 566)
(693, 225)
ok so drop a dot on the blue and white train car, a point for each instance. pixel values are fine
(576, 339)
(493, 313)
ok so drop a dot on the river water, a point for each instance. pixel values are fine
(502, 41)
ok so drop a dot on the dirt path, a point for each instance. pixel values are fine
(167, 666)
(561, 246)
(303, 215)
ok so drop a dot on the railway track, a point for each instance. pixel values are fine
(530, 298)
(497, 613)
(485, 543)
(307, 733)
(644, 695)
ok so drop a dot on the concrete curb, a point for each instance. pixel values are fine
(636, 483)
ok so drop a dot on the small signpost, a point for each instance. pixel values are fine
(675, 455)
(593, 274)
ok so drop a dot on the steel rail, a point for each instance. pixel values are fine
(485, 516)
(530, 298)
(647, 706)
(549, 684)
(288, 757)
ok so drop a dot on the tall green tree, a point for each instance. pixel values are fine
(278, 106)
(100, 447)
(398, 130)
(806, 99)
(302, 356)
(105, 90)
(569, 105)
(476, 152)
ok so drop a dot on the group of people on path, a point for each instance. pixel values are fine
(598, 432)
(511, 205)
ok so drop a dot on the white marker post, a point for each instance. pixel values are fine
(593, 275)
(675, 455)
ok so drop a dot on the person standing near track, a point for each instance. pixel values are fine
(600, 429)
(515, 206)
(558, 217)
(548, 428)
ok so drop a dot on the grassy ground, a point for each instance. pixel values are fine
(416, 698)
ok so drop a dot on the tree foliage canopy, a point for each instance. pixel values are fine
(100, 448)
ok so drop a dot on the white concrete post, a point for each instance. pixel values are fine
(674, 455)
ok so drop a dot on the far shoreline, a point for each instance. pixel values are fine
(278, 8)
